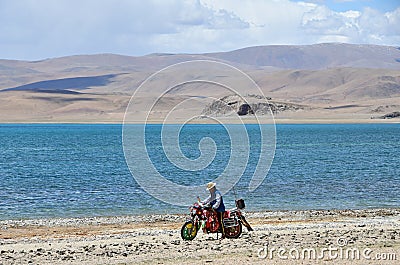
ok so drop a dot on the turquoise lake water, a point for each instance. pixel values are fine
(66, 170)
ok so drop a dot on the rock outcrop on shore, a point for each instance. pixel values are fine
(392, 115)
(248, 105)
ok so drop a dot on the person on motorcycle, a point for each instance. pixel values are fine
(216, 202)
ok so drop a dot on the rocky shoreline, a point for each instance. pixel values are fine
(155, 239)
(171, 218)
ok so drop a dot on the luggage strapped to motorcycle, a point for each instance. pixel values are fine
(239, 202)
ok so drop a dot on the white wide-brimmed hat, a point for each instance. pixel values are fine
(210, 185)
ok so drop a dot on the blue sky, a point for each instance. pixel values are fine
(39, 29)
(344, 5)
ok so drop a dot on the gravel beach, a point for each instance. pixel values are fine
(280, 237)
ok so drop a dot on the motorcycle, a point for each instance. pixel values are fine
(205, 218)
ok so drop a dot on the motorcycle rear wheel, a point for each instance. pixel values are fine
(233, 231)
(188, 231)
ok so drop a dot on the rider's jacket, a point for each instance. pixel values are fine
(216, 201)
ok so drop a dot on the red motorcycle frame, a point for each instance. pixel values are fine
(206, 218)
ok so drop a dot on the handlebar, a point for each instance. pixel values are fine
(205, 206)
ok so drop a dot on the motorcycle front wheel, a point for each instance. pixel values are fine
(233, 231)
(188, 231)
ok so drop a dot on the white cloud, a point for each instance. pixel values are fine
(394, 22)
(287, 22)
(366, 26)
(38, 29)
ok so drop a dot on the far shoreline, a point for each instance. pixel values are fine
(162, 217)
(223, 121)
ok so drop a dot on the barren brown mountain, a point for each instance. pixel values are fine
(332, 82)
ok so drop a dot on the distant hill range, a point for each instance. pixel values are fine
(362, 79)
(316, 57)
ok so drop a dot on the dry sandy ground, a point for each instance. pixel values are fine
(34, 107)
(334, 237)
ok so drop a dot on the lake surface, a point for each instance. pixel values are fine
(71, 170)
